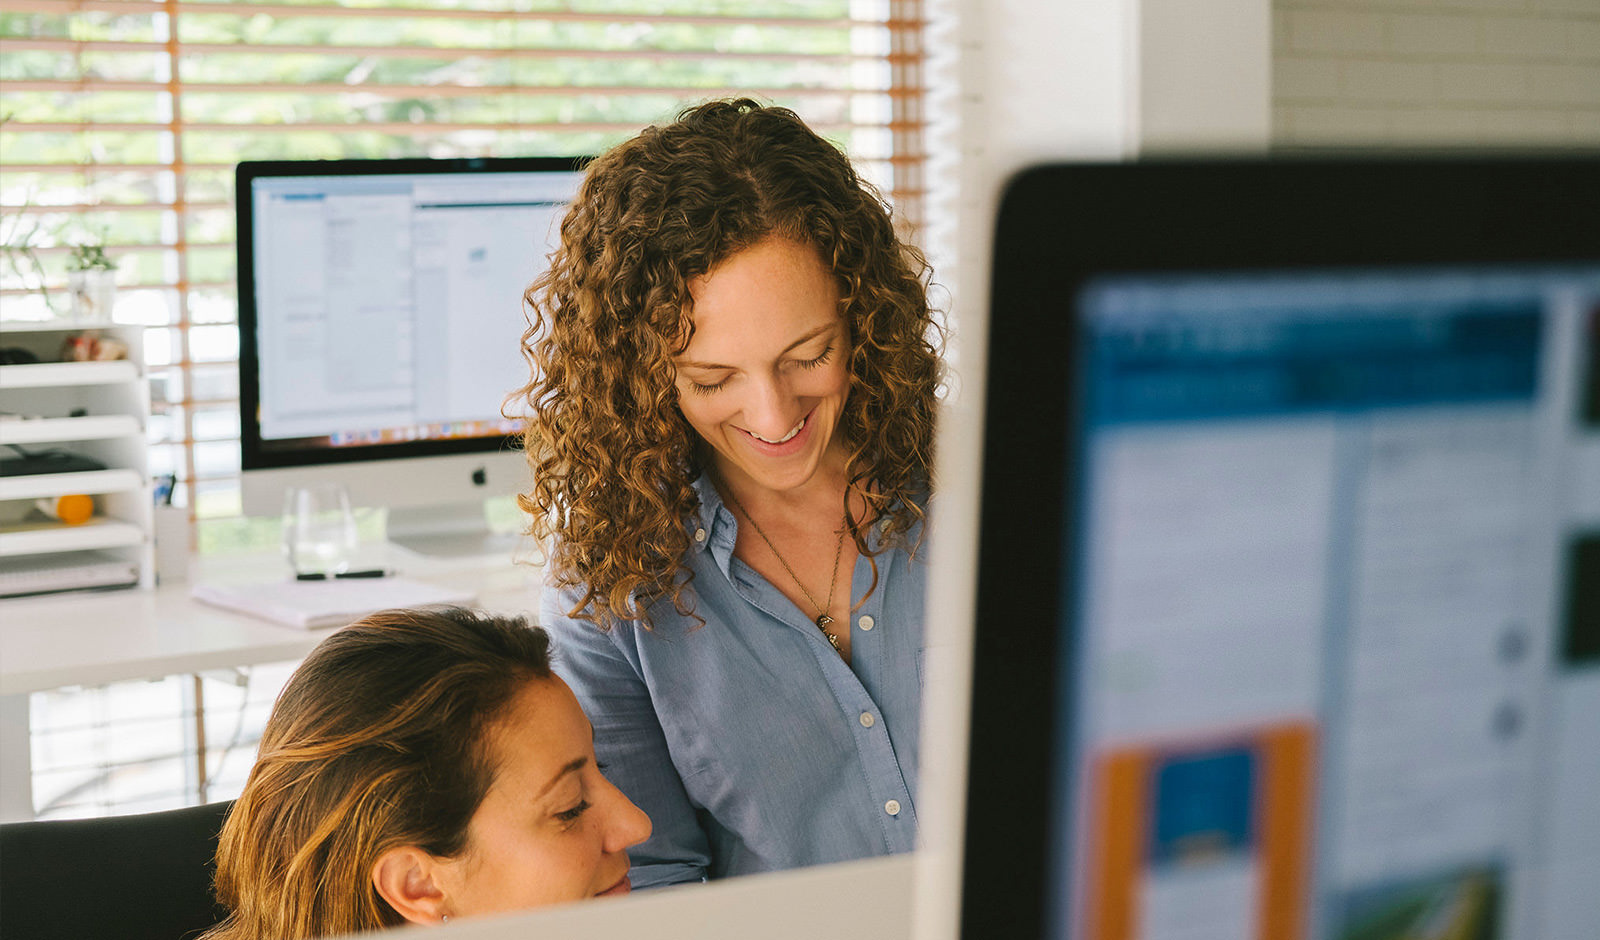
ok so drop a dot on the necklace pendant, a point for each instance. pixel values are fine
(833, 641)
(823, 620)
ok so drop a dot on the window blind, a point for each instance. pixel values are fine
(122, 120)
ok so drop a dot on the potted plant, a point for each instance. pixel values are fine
(19, 258)
(92, 281)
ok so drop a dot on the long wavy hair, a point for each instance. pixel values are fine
(613, 457)
(379, 740)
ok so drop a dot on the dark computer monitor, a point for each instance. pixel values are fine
(380, 315)
(1287, 612)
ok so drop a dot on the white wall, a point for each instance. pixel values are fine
(1435, 72)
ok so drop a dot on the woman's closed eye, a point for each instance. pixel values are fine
(570, 816)
(705, 389)
(818, 361)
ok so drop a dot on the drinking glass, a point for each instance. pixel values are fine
(319, 530)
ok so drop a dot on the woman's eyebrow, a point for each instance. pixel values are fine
(572, 766)
(813, 334)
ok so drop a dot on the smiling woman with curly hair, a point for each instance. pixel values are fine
(733, 397)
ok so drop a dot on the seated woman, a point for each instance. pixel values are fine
(421, 765)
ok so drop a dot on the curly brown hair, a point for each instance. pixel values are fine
(613, 458)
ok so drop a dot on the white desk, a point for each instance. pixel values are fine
(92, 638)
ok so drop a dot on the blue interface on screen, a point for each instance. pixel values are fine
(1338, 627)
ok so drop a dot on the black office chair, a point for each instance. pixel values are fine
(142, 877)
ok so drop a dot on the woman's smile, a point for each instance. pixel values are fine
(787, 446)
(783, 440)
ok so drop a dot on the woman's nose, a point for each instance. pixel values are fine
(626, 824)
(769, 411)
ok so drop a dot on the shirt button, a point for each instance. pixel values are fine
(867, 720)
(699, 535)
(892, 807)
(866, 622)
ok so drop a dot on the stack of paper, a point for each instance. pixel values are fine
(333, 603)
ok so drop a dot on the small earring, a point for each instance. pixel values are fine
(445, 919)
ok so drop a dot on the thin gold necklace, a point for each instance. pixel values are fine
(823, 619)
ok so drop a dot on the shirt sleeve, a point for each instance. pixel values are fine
(628, 741)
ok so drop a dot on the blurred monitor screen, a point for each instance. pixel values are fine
(1292, 530)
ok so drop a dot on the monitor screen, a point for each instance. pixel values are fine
(1290, 538)
(1328, 532)
(380, 307)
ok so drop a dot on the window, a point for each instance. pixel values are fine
(123, 119)
(132, 747)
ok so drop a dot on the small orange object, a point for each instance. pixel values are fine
(72, 509)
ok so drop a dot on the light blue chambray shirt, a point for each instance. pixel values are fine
(749, 742)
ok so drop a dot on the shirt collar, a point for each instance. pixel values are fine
(712, 518)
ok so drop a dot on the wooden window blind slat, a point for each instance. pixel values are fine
(367, 10)
(417, 127)
(331, 88)
(11, 46)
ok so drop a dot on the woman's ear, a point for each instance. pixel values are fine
(408, 878)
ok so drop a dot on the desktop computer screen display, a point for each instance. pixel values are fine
(1310, 536)
(1332, 541)
(381, 315)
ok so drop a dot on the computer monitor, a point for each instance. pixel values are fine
(380, 316)
(1288, 625)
